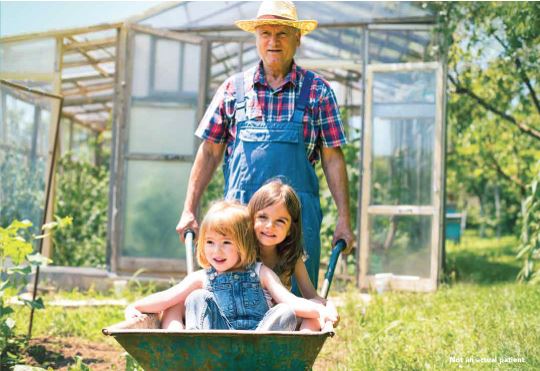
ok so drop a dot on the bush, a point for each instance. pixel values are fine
(16, 263)
(82, 193)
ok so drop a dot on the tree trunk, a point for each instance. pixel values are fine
(497, 195)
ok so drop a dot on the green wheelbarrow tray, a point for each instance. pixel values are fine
(157, 349)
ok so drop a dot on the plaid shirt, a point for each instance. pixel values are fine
(322, 124)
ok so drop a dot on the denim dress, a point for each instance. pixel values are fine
(235, 301)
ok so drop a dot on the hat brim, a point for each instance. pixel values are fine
(305, 26)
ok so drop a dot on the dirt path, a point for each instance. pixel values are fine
(59, 353)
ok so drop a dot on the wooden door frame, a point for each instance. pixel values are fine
(118, 188)
(435, 210)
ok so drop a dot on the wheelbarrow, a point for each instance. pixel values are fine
(157, 349)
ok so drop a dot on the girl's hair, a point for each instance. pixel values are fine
(290, 250)
(229, 218)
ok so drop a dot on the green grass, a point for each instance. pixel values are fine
(483, 261)
(84, 322)
(480, 313)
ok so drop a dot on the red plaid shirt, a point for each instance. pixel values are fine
(322, 123)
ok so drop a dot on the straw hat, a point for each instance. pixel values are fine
(277, 13)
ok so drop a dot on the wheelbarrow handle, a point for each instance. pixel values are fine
(189, 235)
(336, 251)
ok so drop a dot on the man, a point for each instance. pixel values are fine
(275, 119)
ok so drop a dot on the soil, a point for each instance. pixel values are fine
(59, 353)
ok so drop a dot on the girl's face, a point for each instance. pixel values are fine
(221, 251)
(272, 225)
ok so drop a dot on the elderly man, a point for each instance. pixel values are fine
(275, 120)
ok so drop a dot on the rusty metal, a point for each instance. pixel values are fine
(156, 349)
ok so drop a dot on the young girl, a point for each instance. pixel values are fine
(228, 293)
(276, 213)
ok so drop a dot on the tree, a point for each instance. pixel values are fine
(493, 106)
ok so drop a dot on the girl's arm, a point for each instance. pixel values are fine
(304, 282)
(302, 307)
(162, 300)
(308, 291)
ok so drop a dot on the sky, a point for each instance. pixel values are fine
(20, 17)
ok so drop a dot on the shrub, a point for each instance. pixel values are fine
(82, 193)
(16, 262)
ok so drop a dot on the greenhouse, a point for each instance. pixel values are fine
(137, 89)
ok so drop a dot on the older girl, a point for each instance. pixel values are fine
(276, 214)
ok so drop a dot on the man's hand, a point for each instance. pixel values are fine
(187, 221)
(343, 232)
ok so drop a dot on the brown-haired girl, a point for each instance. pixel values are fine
(276, 213)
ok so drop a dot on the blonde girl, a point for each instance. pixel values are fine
(276, 213)
(228, 292)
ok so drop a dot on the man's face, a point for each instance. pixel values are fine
(277, 45)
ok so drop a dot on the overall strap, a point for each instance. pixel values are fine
(303, 99)
(240, 106)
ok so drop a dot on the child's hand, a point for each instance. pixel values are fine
(326, 314)
(332, 309)
(131, 312)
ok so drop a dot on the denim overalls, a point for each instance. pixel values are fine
(265, 150)
(235, 301)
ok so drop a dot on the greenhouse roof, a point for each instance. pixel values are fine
(220, 15)
(87, 68)
(89, 55)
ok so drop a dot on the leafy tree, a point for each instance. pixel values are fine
(493, 105)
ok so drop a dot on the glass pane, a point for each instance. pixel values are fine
(42, 138)
(162, 129)
(191, 68)
(65, 132)
(403, 138)
(24, 146)
(167, 65)
(400, 245)
(81, 148)
(35, 56)
(404, 87)
(141, 65)
(401, 46)
(336, 54)
(226, 57)
(155, 195)
(402, 163)
(338, 44)
(20, 128)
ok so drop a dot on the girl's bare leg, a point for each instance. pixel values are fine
(310, 325)
(172, 318)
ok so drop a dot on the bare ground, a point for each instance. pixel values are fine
(59, 353)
